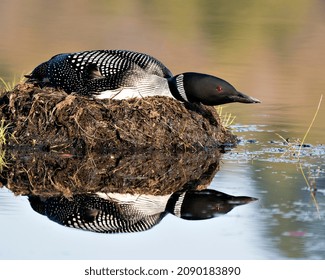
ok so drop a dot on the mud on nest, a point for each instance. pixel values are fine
(55, 120)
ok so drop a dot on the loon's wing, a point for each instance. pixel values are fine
(95, 71)
(102, 70)
(110, 62)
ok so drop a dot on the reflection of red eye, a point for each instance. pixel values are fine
(219, 88)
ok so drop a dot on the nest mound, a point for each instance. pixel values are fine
(55, 120)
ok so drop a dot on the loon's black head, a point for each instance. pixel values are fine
(209, 90)
(53, 72)
(39, 74)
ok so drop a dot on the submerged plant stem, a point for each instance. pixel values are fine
(312, 190)
(312, 193)
(300, 143)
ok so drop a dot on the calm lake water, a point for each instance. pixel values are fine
(272, 50)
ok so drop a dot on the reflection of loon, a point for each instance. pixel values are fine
(114, 213)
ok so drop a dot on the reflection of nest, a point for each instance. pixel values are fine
(155, 173)
(53, 119)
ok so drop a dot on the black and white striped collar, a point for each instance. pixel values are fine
(176, 86)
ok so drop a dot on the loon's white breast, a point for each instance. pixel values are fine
(150, 85)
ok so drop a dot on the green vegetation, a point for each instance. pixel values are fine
(3, 134)
(3, 162)
(8, 86)
(292, 145)
(311, 124)
(311, 185)
(226, 119)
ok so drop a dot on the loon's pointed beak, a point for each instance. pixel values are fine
(29, 78)
(243, 98)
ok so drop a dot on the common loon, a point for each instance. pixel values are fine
(117, 213)
(122, 74)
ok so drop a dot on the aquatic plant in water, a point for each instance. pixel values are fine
(294, 148)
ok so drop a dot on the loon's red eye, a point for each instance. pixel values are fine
(219, 88)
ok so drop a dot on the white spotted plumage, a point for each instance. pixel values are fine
(122, 74)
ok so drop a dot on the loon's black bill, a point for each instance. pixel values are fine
(30, 78)
(243, 98)
(240, 200)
